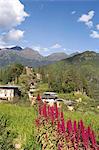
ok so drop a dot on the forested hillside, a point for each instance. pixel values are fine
(10, 73)
(80, 72)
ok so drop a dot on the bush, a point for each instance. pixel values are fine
(6, 135)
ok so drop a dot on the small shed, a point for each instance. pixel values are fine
(8, 92)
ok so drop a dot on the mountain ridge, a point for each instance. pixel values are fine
(30, 57)
(27, 56)
(83, 57)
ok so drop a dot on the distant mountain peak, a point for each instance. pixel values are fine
(57, 56)
(83, 57)
(18, 48)
(89, 52)
(73, 54)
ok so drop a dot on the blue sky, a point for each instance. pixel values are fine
(56, 26)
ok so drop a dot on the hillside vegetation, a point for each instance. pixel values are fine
(80, 72)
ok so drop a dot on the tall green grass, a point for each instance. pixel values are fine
(22, 121)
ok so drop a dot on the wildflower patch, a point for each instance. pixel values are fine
(54, 133)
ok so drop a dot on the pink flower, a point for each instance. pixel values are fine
(81, 125)
(63, 125)
(85, 138)
(75, 127)
(40, 110)
(38, 97)
(93, 140)
(44, 110)
(69, 126)
(61, 115)
(56, 111)
(52, 114)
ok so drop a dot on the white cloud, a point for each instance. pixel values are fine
(97, 26)
(37, 48)
(94, 34)
(40, 49)
(55, 46)
(73, 12)
(89, 24)
(86, 18)
(11, 13)
(45, 49)
(12, 35)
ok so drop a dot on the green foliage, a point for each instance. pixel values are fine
(6, 135)
(24, 81)
(43, 87)
(21, 120)
(80, 72)
(10, 73)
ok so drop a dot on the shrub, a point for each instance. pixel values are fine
(6, 135)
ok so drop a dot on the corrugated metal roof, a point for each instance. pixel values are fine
(9, 86)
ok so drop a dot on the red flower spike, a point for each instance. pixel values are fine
(93, 140)
(85, 138)
(45, 110)
(89, 131)
(69, 126)
(52, 114)
(62, 115)
(38, 97)
(75, 127)
(76, 134)
(63, 125)
(40, 110)
(48, 109)
(56, 111)
(81, 125)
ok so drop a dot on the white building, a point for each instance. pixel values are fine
(8, 92)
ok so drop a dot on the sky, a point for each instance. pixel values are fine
(50, 26)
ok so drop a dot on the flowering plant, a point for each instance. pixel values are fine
(53, 132)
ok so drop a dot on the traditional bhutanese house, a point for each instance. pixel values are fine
(9, 92)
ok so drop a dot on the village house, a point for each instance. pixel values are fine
(29, 70)
(9, 92)
(38, 76)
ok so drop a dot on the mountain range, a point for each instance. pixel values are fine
(28, 57)
(31, 57)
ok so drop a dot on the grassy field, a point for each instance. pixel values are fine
(23, 120)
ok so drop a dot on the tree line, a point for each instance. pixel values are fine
(66, 78)
(10, 73)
